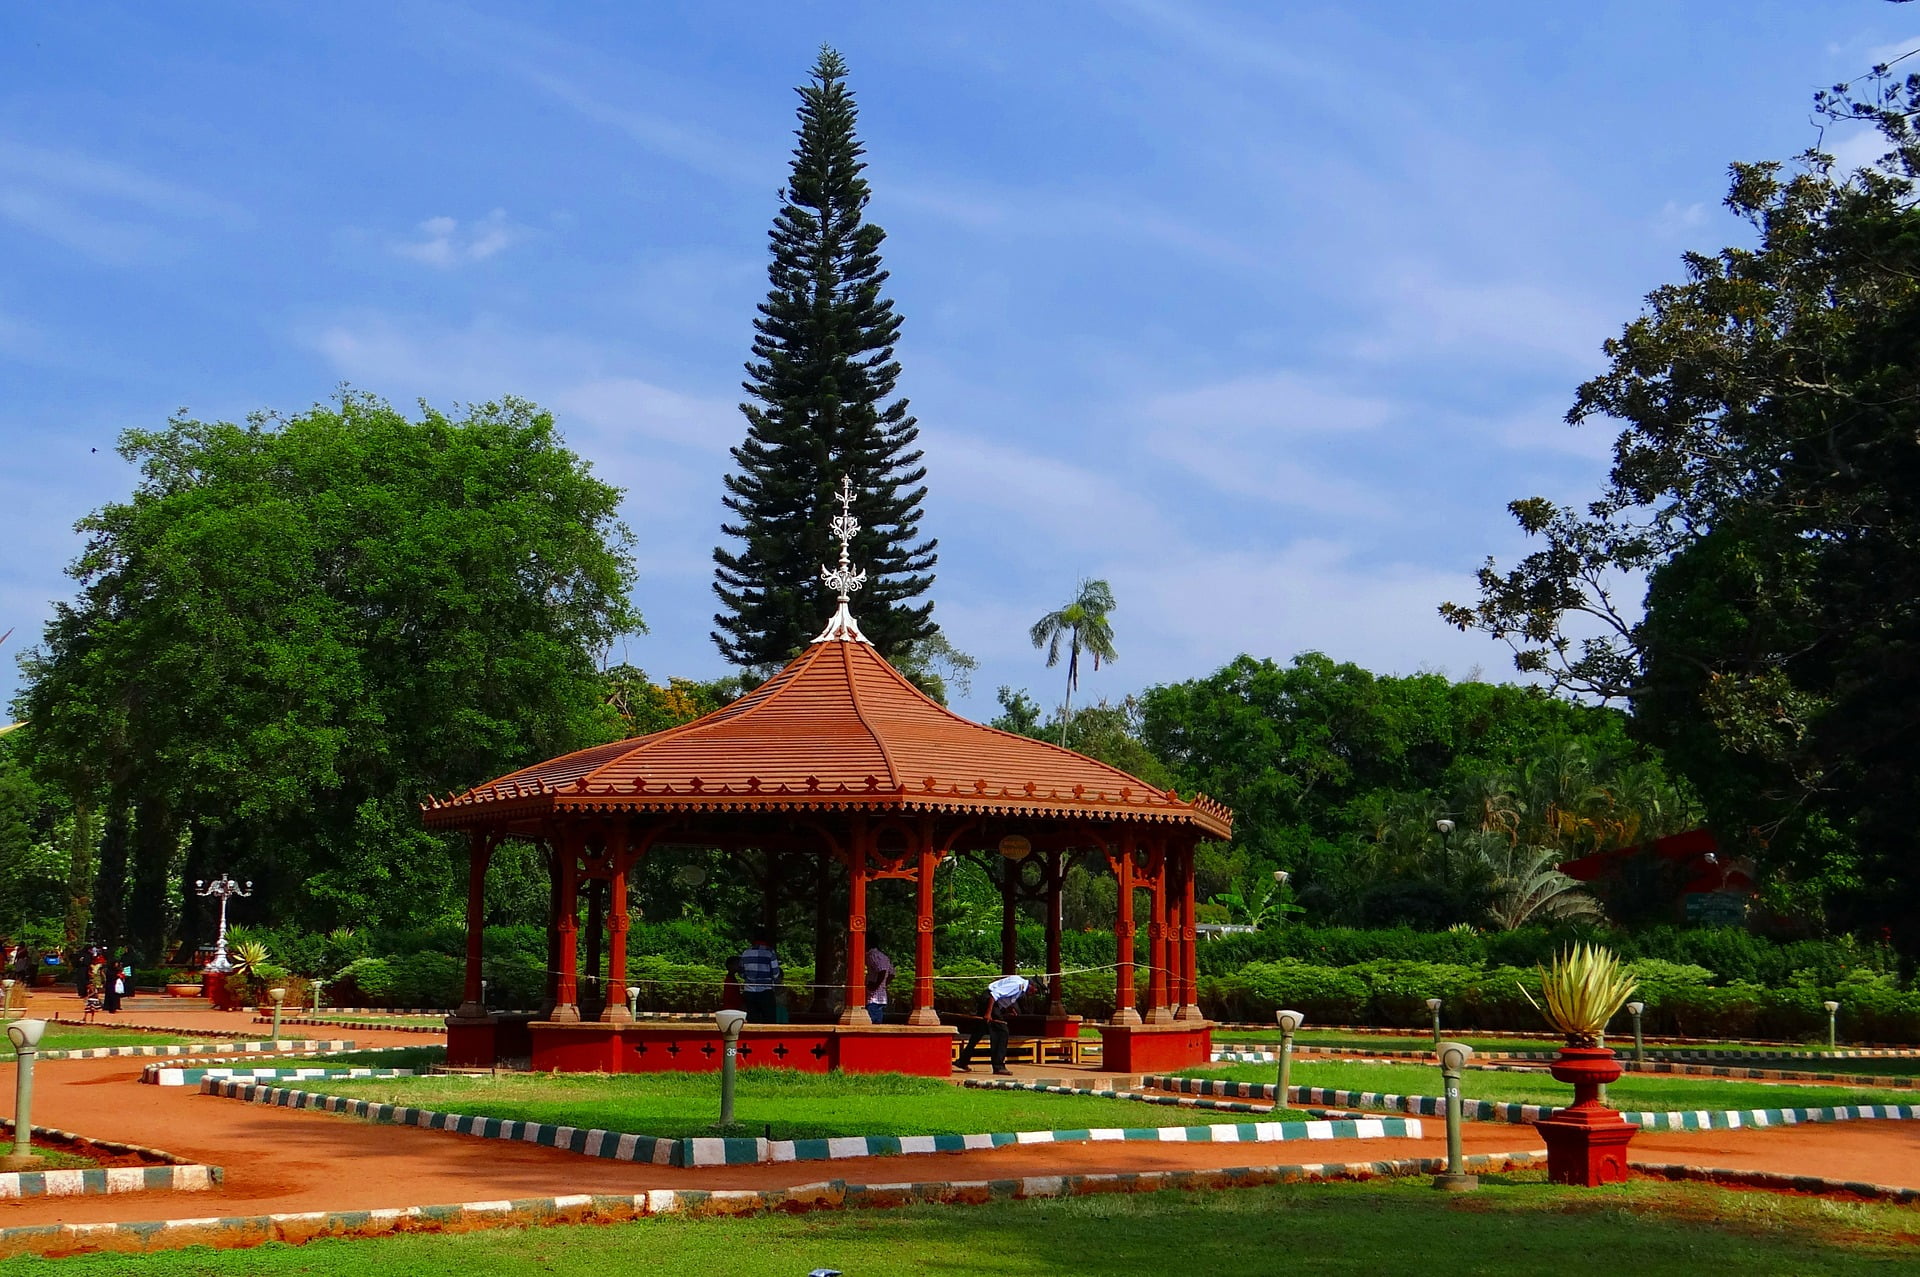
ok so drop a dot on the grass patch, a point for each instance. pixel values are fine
(1658, 1093)
(76, 1037)
(417, 1058)
(1515, 1224)
(371, 1021)
(781, 1102)
(53, 1159)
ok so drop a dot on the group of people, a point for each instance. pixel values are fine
(102, 979)
(753, 986)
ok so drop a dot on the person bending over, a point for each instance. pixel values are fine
(998, 1003)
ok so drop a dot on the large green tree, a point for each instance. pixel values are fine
(1766, 488)
(821, 384)
(295, 629)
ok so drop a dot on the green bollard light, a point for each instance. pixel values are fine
(1290, 1022)
(1833, 1014)
(1635, 1009)
(1433, 1005)
(279, 996)
(25, 1036)
(729, 1022)
(1453, 1058)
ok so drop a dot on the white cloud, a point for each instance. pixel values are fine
(1284, 402)
(445, 243)
(1675, 218)
(104, 210)
(1497, 321)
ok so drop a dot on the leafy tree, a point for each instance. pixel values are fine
(820, 379)
(643, 707)
(298, 628)
(1083, 625)
(1766, 487)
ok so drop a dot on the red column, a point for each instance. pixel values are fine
(854, 1010)
(1124, 996)
(1158, 1012)
(1056, 875)
(617, 864)
(1189, 950)
(923, 1012)
(566, 1007)
(479, 849)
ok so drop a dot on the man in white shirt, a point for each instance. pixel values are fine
(998, 1002)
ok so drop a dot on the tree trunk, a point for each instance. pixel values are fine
(80, 875)
(156, 837)
(110, 882)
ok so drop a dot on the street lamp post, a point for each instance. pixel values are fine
(1453, 1059)
(1445, 827)
(729, 1022)
(25, 1036)
(223, 888)
(1290, 1022)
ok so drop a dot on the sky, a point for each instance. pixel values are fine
(1262, 313)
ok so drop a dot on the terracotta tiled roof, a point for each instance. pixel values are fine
(838, 727)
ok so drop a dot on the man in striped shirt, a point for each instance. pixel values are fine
(759, 978)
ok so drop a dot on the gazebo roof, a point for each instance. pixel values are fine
(837, 729)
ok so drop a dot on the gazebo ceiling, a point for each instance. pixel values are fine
(837, 728)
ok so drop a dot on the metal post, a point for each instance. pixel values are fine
(729, 1022)
(1433, 1005)
(633, 1000)
(6, 998)
(1833, 1013)
(25, 1036)
(483, 995)
(1290, 1022)
(1639, 1044)
(279, 996)
(224, 888)
(1453, 1058)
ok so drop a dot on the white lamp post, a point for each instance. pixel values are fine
(729, 1022)
(25, 1036)
(223, 888)
(279, 996)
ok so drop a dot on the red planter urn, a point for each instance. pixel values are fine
(1586, 1141)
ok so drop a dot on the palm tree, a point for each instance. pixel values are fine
(1527, 886)
(1083, 625)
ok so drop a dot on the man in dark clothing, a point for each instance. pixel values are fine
(760, 979)
(997, 1005)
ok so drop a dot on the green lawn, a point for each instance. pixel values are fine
(1653, 1092)
(74, 1037)
(373, 1021)
(1514, 1224)
(793, 1105)
(53, 1159)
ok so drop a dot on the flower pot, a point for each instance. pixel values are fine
(184, 990)
(1586, 1141)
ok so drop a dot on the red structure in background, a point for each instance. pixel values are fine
(1703, 883)
(836, 761)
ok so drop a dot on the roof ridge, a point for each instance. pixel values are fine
(853, 696)
(711, 718)
(964, 721)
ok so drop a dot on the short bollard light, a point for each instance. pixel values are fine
(279, 996)
(1635, 1009)
(1433, 1005)
(729, 1022)
(25, 1036)
(1290, 1022)
(1833, 1014)
(6, 998)
(316, 994)
(1453, 1059)
(483, 994)
(633, 1001)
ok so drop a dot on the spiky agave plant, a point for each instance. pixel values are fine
(1584, 989)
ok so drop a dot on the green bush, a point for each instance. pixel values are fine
(1494, 999)
(1398, 991)
(364, 982)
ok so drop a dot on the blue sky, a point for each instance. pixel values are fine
(1261, 312)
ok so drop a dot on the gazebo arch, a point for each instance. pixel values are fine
(820, 760)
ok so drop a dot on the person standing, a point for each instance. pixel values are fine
(117, 977)
(997, 1005)
(759, 978)
(879, 971)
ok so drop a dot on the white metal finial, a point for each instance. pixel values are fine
(844, 580)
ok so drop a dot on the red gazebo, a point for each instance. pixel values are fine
(838, 757)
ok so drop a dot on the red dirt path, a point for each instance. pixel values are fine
(280, 1160)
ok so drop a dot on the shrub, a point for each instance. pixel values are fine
(1398, 991)
(364, 982)
(1326, 995)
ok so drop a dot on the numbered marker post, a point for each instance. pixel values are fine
(1290, 1022)
(729, 1022)
(1453, 1059)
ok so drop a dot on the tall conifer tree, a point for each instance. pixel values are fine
(820, 379)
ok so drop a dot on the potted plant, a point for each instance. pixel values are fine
(1583, 989)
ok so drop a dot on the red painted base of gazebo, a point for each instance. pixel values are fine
(598, 1047)
(1155, 1048)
